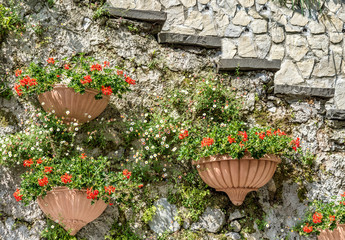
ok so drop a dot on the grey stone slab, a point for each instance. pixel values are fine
(184, 39)
(304, 91)
(336, 114)
(249, 64)
(144, 15)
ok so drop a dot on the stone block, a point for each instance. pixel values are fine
(144, 15)
(249, 64)
(184, 39)
(303, 91)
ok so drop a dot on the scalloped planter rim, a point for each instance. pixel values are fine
(237, 177)
(337, 233)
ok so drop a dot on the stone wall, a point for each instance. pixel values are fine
(310, 45)
(70, 28)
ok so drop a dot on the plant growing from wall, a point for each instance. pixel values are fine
(10, 20)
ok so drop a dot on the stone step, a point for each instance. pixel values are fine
(184, 39)
(303, 91)
(249, 64)
(144, 15)
(336, 114)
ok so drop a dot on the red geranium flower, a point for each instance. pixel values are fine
(83, 156)
(307, 228)
(244, 135)
(130, 80)
(87, 79)
(107, 90)
(17, 195)
(231, 139)
(66, 66)
(207, 142)
(109, 189)
(141, 185)
(44, 181)
(91, 194)
(66, 178)
(184, 134)
(48, 169)
(39, 161)
(106, 64)
(18, 72)
(317, 217)
(96, 66)
(51, 60)
(18, 90)
(331, 218)
(28, 163)
(262, 136)
(127, 174)
(295, 144)
(119, 72)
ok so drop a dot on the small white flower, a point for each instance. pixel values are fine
(214, 105)
(76, 129)
(146, 162)
(174, 149)
(167, 146)
(131, 129)
(52, 226)
(53, 111)
(267, 225)
(67, 112)
(155, 155)
(151, 156)
(147, 148)
(43, 103)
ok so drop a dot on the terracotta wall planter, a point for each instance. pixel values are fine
(336, 234)
(237, 177)
(71, 208)
(82, 107)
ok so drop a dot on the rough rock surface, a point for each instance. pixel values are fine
(211, 220)
(165, 217)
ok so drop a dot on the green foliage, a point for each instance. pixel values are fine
(79, 73)
(54, 231)
(194, 199)
(323, 215)
(51, 3)
(43, 134)
(5, 90)
(302, 5)
(100, 12)
(10, 20)
(149, 213)
(121, 231)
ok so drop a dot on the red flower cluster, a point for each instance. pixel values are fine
(126, 173)
(39, 161)
(307, 228)
(27, 81)
(262, 136)
(91, 194)
(48, 169)
(83, 156)
(87, 79)
(109, 189)
(280, 133)
(183, 135)
(331, 218)
(51, 60)
(231, 139)
(119, 72)
(66, 66)
(18, 90)
(295, 144)
(28, 163)
(18, 72)
(106, 64)
(44, 181)
(17, 195)
(244, 135)
(207, 142)
(342, 195)
(317, 217)
(107, 90)
(97, 67)
(141, 185)
(129, 80)
(66, 178)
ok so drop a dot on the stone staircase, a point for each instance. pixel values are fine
(226, 63)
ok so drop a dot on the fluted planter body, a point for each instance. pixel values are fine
(336, 234)
(81, 107)
(237, 177)
(70, 208)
